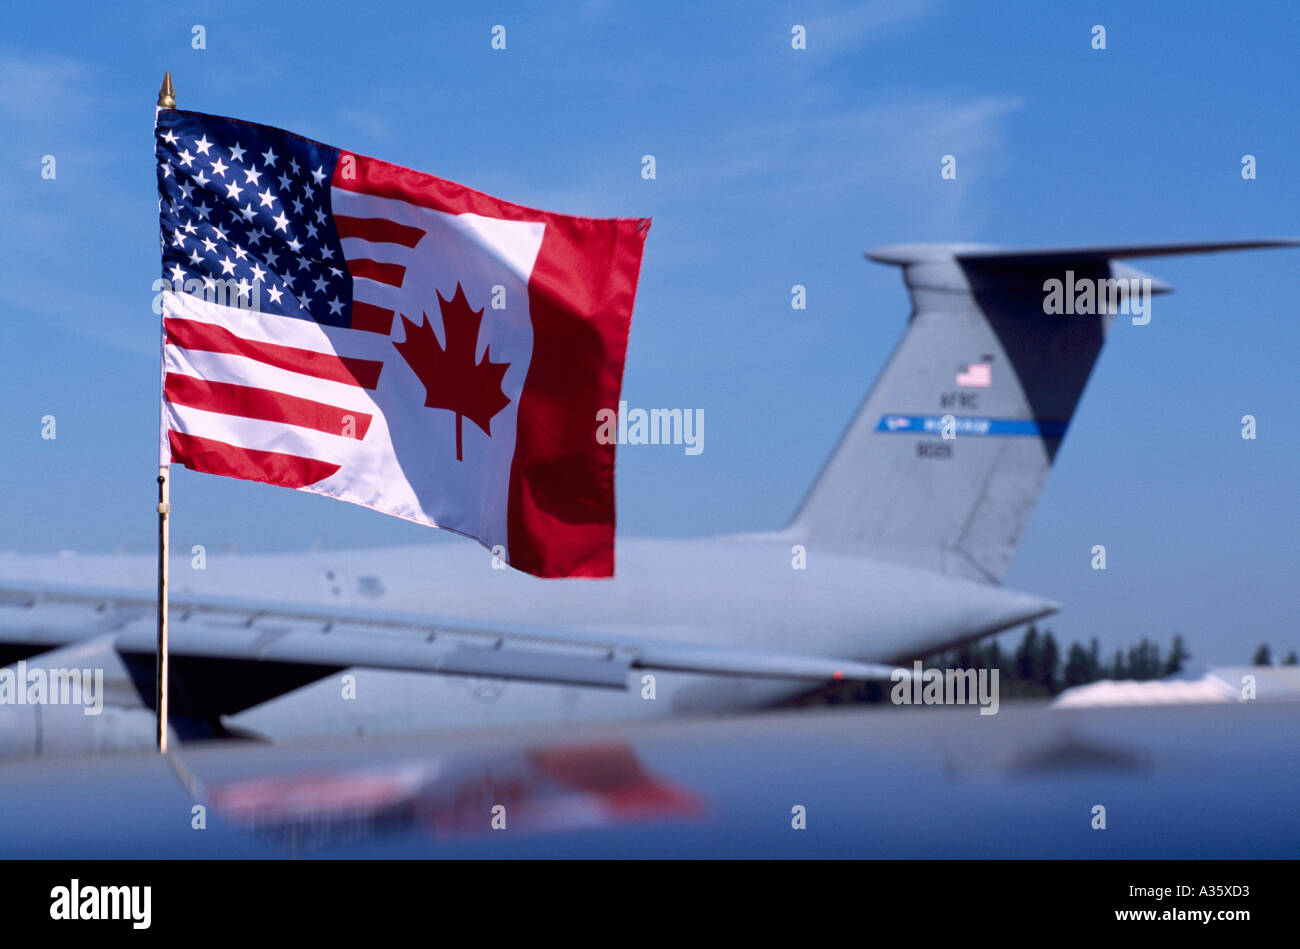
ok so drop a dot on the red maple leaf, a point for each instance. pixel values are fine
(451, 378)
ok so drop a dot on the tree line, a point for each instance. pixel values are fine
(1039, 668)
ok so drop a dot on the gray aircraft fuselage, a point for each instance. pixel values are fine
(743, 591)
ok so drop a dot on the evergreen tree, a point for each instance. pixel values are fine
(1178, 655)
(1133, 662)
(1151, 655)
(993, 656)
(1291, 659)
(1027, 654)
(1095, 671)
(1262, 656)
(1117, 670)
(1077, 670)
(1144, 660)
(1049, 661)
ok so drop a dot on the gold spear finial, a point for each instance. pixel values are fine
(166, 94)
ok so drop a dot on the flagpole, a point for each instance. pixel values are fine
(160, 689)
(166, 100)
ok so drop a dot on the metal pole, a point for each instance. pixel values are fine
(160, 691)
(166, 100)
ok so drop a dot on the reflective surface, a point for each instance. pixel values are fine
(1192, 781)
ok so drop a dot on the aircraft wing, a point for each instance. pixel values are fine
(43, 617)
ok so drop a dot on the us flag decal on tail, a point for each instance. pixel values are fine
(340, 325)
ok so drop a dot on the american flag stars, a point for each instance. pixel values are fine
(252, 209)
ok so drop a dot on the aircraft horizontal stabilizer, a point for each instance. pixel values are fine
(1046, 256)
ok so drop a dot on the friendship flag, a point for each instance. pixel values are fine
(337, 324)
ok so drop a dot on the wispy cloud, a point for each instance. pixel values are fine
(852, 27)
(887, 142)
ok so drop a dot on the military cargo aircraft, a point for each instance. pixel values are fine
(898, 551)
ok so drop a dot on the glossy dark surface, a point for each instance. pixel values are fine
(1182, 782)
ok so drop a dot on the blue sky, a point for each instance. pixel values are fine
(774, 167)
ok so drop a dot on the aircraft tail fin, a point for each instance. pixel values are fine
(945, 459)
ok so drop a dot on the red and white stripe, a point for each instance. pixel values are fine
(259, 396)
(378, 249)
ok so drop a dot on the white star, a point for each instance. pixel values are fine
(311, 230)
(202, 179)
(336, 272)
(210, 247)
(185, 187)
(327, 253)
(320, 215)
(266, 197)
(227, 265)
(236, 153)
(255, 236)
(253, 177)
(166, 170)
(293, 166)
(186, 158)
(271, 257)
(209, 283)
(169, 137)
(281, 223)
(244, 287)
(202, 210)
(240, 253)
(336, 306)
(195, 259)
(189, 228)
(319, 174)
(258, 273)
(275, 293)
(233, 190)
(202, 145)
(320, 284)
(297, 206)
(295, 245)
(178, 240)
(247, 211)
(284, 182)
(221, 235)
(269, 157)
(177, 273)
(219, 168)
(304, 263)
